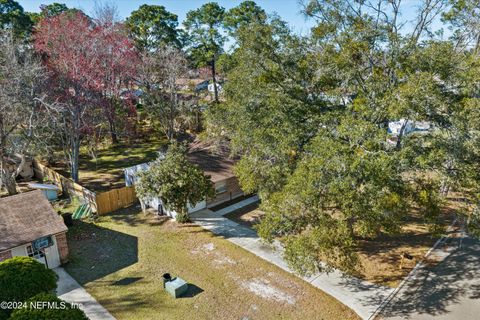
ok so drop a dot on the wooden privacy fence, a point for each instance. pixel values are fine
(101, 203)
(115, 199)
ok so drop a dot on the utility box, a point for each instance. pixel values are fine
(176, 287)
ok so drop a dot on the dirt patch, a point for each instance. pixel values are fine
(208, 247)
(224, 260)
(216, 256)
(263, 288)
(381, 258)
(248, 216)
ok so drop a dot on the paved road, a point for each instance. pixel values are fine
(362, 297)
(69, 290)
(449, 290)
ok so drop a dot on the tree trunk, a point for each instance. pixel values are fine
(75, 158)
(477, 43)
(113, 131)
(214, 79)
(400, 135)
(197, 120)
(182, 216)
(350, 225)
(171, 117)
(7, 178)
(10, 184)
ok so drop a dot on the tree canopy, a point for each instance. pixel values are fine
(12, 16)
(152, 26)
(243, 15)
(90, 64)
(309, 117)
(176, 181)
(204, 27)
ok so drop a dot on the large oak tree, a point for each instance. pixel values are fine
(309, 117)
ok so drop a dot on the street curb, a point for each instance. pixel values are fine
(392, 295)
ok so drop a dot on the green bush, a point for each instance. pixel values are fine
(59, 310)
(21, 278)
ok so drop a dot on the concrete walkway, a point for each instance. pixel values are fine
(69, 290)
(362, 297)
(448, 288)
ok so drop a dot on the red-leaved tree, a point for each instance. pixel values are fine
(117, 63)
(90, 64)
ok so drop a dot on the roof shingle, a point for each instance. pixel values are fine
(215, 161)
(26, 217)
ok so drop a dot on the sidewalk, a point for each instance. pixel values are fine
(362, 297)
(69, 290)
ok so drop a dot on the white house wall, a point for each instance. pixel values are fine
(156, 202)
(20, 251)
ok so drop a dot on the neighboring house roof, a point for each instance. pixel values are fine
(26, 217)
(215, 161)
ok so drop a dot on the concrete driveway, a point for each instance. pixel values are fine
(447, 290)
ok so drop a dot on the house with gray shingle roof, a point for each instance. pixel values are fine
(30, 227)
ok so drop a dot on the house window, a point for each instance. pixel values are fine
(221, 188)
(37, 254)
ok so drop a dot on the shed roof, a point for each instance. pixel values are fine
(26, 217)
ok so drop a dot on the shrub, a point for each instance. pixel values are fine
(62, 311)
(22, 278)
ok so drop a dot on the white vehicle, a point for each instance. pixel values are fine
(395, 127)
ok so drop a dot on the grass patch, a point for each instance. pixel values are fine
(120, 260)
(106, 171)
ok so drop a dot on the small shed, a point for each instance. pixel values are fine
(50, 191)
(30, 227)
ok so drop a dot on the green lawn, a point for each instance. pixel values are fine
(106, 171)
(121, 258)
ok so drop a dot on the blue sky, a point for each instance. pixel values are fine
(288, 10)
